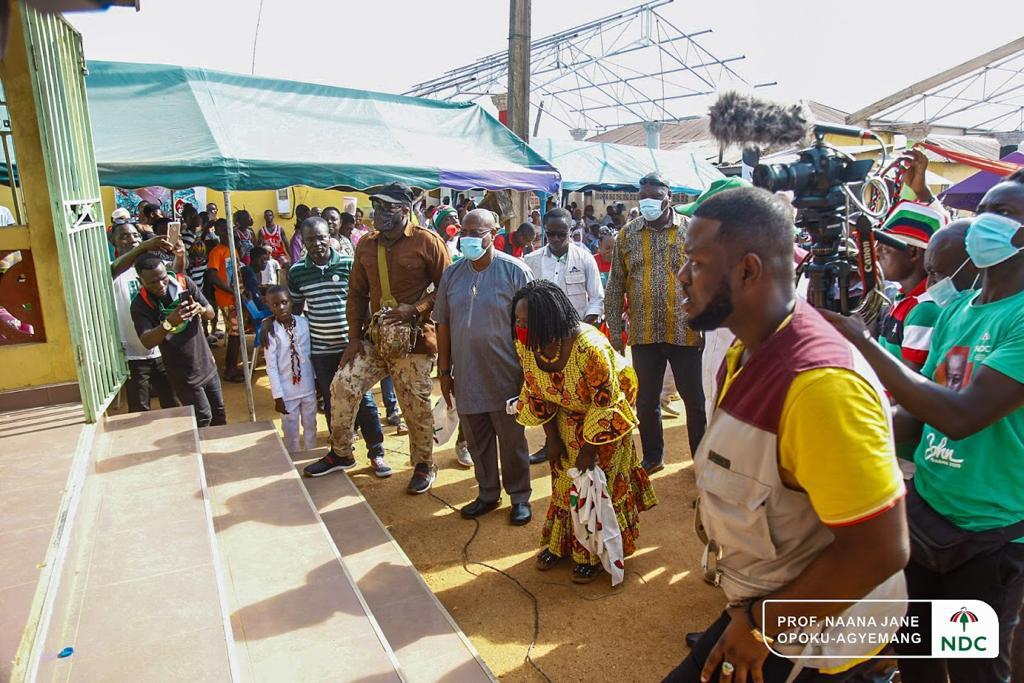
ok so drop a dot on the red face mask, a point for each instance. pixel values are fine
(522, 334)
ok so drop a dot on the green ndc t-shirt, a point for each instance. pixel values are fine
(977, 482)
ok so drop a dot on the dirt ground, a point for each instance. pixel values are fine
(632, 633)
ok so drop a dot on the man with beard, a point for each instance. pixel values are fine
(784, 522)
(391, 294)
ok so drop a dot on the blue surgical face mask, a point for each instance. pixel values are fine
(990, 239)
(944, 291)
(472, 247)
(651, 209)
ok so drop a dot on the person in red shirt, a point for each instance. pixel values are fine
(519, 243)
(605, 252)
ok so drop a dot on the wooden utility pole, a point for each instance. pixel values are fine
(519, 86)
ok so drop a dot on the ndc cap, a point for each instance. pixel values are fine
(395, 193)
(121, 215)
(718, 186)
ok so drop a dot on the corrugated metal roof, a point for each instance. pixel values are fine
(695, 135)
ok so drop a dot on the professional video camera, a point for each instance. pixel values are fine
(823, 182)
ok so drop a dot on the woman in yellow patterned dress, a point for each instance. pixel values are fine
(583, 392)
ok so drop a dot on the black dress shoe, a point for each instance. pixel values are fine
(540, 456)
(520, 514)
(478, 508)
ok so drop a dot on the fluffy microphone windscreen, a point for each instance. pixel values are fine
(736, 118)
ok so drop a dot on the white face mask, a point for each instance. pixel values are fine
(651, 209)
(944, 291)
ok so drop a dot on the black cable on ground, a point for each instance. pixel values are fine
(536, 605)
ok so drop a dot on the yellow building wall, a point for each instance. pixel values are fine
(52, 361)
(258, 201)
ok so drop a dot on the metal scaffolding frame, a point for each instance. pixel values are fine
(598, 75)
(982, 95)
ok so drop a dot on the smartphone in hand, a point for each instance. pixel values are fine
(174, 232)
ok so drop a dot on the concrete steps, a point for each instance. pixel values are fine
(427, 642)
(295, 611)
(139, 596)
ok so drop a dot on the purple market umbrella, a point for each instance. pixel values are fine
(968, 192)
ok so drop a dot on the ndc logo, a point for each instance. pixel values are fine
(963, 643)
(968, 628)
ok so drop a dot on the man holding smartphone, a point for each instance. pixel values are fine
(167, 313)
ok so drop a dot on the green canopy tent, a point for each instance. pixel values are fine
(586, 166)
(180, 127)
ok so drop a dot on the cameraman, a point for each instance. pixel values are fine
(969, 480)
(166, 313)
(788, 523)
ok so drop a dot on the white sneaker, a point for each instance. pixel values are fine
(462, 454)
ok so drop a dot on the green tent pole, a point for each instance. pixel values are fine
(237, 284)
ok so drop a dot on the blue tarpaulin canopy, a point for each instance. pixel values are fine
(183, 127)
(603, 166)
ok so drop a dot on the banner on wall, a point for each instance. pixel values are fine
(166, 199)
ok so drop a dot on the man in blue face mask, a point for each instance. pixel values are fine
(478, 366)
(966, 507)
(648, 254)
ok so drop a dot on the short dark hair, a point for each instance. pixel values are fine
(148, 261)
(558, 213)
(278, 289)
(347, 218)
(527, 229)
(258, 251)
(311, 222)
(330, 208)
(147, 209)
(1016, 177)
(118, 228)
(752, 220)
(550, 316)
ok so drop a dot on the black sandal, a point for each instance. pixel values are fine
(585, 573)
(546, 560)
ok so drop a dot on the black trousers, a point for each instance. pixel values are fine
(207, 399)
(649, 361)
(776, 669)
(996, 578)
(146, 377)
(325, 366)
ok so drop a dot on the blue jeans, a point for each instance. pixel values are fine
(387, 393)
(368, 419)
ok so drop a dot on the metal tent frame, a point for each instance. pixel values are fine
(597, 75)
(981, 95)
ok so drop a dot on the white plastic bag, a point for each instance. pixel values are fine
(446, 421)
(593, 520)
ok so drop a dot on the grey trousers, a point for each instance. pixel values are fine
(487, 434)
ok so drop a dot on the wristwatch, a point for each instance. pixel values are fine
(444, 372)
(166, 324)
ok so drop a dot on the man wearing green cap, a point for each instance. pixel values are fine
(648, 254)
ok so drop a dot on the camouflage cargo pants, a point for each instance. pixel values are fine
(413, 384)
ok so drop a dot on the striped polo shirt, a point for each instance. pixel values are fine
(906, 329)
(324, 289)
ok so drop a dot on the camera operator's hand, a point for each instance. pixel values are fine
(916, 175)
(158, 243)
(852, 327)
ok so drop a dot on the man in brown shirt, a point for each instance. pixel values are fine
(415, 258)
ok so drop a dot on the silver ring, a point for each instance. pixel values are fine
(728, 669)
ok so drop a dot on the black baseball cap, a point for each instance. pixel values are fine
(395, 193)
(655, 178)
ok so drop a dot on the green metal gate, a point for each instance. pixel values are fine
(58, 83)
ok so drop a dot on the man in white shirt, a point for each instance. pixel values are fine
(570, 266)
(573, 269)
(147, 374)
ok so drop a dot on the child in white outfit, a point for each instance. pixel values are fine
(290, 370)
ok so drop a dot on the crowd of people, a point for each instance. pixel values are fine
(833, 459)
